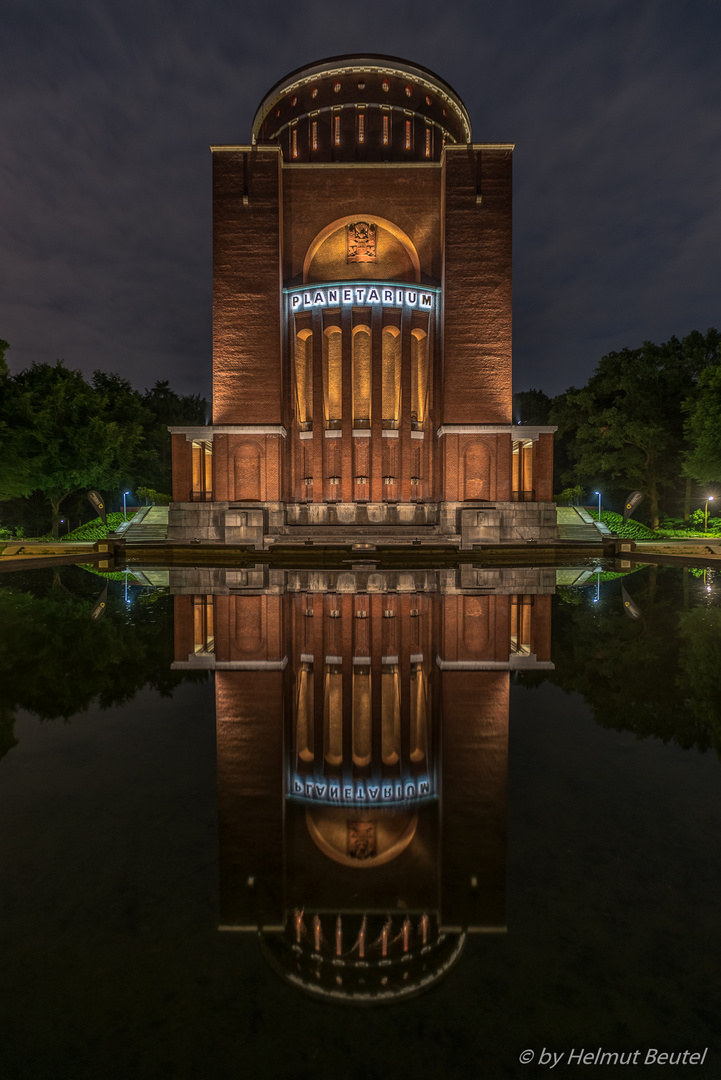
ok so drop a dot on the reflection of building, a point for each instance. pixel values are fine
(362, 326)
(362, 758)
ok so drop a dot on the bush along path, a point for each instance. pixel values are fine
(95, 530)
(634, 530)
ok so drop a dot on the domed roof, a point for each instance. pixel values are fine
(372, 82)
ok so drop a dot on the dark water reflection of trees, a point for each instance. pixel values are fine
(659, 676)
(56, 661)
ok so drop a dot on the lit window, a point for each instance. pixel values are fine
(428, 142)
(314, 92)
(428, 99)
(277, 112)
(361, 127)
(202, 452)
(386, 125)
(336, 87)
(315, 134)
(203, 634)
(294, 101)
(336, 130)
(294, 142)
(384, 86)
(408, 134)
(409, 90)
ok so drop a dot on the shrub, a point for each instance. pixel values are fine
(95, 530)
(630, 530)
(154, 496)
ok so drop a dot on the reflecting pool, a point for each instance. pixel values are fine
(359, 823)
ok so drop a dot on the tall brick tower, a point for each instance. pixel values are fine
(362, 326)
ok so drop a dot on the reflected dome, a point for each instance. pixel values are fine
(362, 960)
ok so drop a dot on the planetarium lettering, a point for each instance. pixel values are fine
(366, 792)
(361, 295)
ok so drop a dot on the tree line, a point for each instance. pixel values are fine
(647, 419)
(61, 435)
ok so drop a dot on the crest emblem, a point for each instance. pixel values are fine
(360, 242)
(361, 839)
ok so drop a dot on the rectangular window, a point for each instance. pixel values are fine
(202, 460)
(361, 127)
(408, 134)
(336, 129)
(428, 142)
(203, 634)
(294, 142)
(314, 135)
(386, 126)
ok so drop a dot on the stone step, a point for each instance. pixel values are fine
(339, 527)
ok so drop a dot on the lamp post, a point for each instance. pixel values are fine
(599, 506)
(705, 513)
(125, 507)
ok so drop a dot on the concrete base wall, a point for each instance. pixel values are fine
(252, 524)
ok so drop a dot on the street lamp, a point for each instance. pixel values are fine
(705, 513)
(125, 508)
(599, 506)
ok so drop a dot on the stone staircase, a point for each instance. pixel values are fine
(576, 524)
(149, 525)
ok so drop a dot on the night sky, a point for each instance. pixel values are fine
(108, 109)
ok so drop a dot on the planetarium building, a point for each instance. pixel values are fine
(362, 327)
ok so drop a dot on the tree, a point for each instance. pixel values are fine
(531, 407)
(64, 436)
(702, 461)
(16, 473)
(165, 409)
(624, 429)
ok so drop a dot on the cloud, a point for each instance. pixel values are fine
(107, 112)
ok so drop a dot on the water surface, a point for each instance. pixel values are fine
(113, 963)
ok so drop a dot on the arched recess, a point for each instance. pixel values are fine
(304, 378)
(332, 376)
(359, 270)
(391, 376)
(247, 476)
(304, 714)
(419, 378)
(361, 376)
(477, 472)
(391, 833)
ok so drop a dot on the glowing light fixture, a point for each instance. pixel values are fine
(705, 513)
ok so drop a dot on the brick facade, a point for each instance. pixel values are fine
(371, 377)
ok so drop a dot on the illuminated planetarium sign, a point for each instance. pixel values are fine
(361, 792)
(362, 294)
